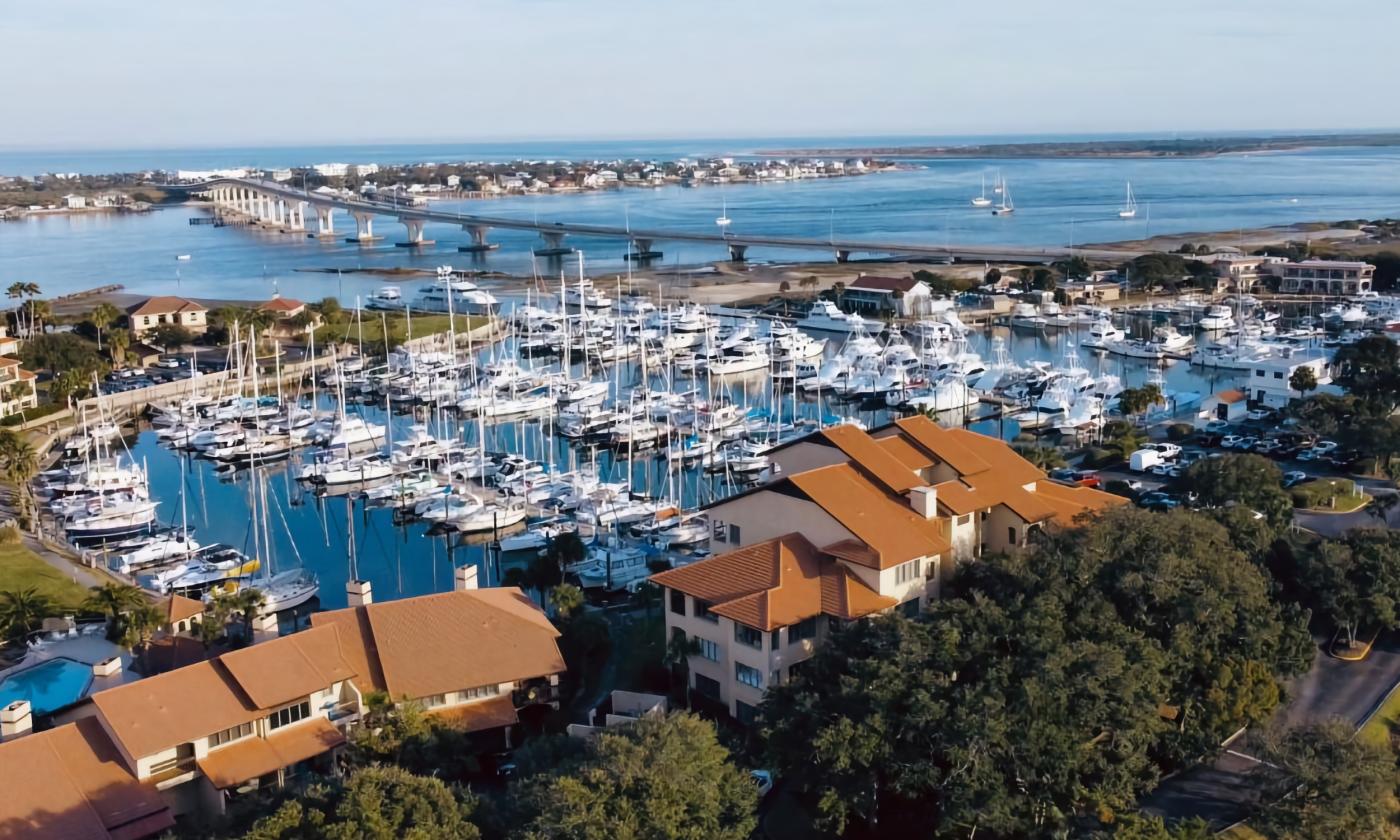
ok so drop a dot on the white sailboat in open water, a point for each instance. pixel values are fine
(1007, 206)
(1130, 208)
(982, 200)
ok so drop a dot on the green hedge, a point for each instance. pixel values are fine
(1319, 493)
(32, 414)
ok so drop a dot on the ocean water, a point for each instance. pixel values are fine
(1058, 202)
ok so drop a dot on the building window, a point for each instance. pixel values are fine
(734, 535)
(1011, 534)
(1278, 374)
(744, 713)
(910, 608)
(702, 610)
(435, 701)
(482, 691)
(748, 636)
(1258, 372)
(964, 519)
(290, 714)
(909, 571)
(233, 733)
(720, 530)
(708, 649)
(677, 602)
(706, 687)
(775, 639)
(748, 676)
(804, 629)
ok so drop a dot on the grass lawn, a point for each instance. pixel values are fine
(1345, 502)
(1386, 720)
(21, 568)
(1243, 832)
(373, 327)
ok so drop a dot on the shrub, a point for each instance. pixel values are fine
(9, 534)
(1319, 494)
(1180, 431)
(1095, 457)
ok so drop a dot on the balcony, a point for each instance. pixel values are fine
(535, 692)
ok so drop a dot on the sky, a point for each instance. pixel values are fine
(92, 74)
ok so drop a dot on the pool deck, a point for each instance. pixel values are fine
(87, 649)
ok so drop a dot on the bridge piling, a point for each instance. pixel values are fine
(553, 244)
(479, 244)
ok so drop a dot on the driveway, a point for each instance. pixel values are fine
(1227, 789)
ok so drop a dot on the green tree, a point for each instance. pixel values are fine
(22, 611)
(169, 337)
(375, 803)
(658, 778)
(1303, 380)
(330, 308)
(567, 599)
(113, 599)
(1339, 785)
(679, 649)
(1074, 268)
(1139, 827)
(118, 343)
(102, 316)
(1043, 457)
(1370, 369)
(1135, 402)
(1355, 581)
(138, 626)
(21, 465)
(1251, 481)
(1123, 442)
(838, 291)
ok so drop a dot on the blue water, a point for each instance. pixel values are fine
(1058, 202)
(49, 686)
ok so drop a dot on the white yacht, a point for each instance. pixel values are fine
(1217, 317)
(1102, 333)
(386, 298)
(455, 295)
(1026, 316)
(828, 317)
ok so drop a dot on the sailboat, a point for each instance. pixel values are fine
(723, 220)
(1007, 206)
(1130, 209)
(982, 200)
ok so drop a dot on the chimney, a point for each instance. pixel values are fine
(464, 578)
(924, 501)
(15, 720)
(358, 593)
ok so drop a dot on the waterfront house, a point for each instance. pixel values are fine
(16, 387)
(289, 323)
(9, 345)
(74, 202)
(858, 524)
(1325, 277)
(884, 296)
(167, 309)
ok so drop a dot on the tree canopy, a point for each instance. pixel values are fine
(1338, 785)
(1046, 691)
(374, 803)
(1370, 369)
(1251, 481)
(665, 778)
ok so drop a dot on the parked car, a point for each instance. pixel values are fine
(1247, 443)
(1260, 414)
(1231, 441)
(1158, 500)
(1294, 478)
(1322, 447)
(1065, 474)
(1087, 478)
(1168, 450)
(1267, 447)
(1208, 439)
(1191, 456)
(1217, 427)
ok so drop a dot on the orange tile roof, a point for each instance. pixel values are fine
(959, 498)
(164, 304)
(775, 583)
(888, 525)
(178, 608)
(941, 444)
(872, 458)
(1001, 460)
(6, 361)
(448, 642)
(289, 668)
(70, 782)
(1069, 502)
(250, 758)
(905, 452)
(1233, 395)
(281, 304)
(477, 716)
(186, 704)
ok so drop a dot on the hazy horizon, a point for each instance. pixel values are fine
(163, 74)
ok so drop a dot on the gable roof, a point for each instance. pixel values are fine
(164, 304)
(176, 608)
(874, 283)
(281, 304)
(446, 642)
(70, 782)
(1233, 395)
(893, 531)
(941, 444)
(775, 583)
(285, 669)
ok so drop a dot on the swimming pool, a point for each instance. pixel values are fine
(48, 686)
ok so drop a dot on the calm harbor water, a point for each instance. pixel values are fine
(1058, 201)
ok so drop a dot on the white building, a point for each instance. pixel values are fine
(902, 296)
(364, 169)
(280, 174)
(74, 202)
(1268, 378)
(1325, 277)
(332, 170)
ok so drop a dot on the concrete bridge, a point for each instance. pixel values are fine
(285, 208)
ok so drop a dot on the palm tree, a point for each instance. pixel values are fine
(22, 611)
(17, 291)
(246, 604)
(140, 624)
(567, 599)
(102, 316)
(113, 599)
(117, 345)
(15, 393)
(21, 465)
(1126, 443)
(1043, 457)
(677, 659)
(38, 311)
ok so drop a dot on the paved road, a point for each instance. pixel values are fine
(1226, 790)
(1382, 512)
